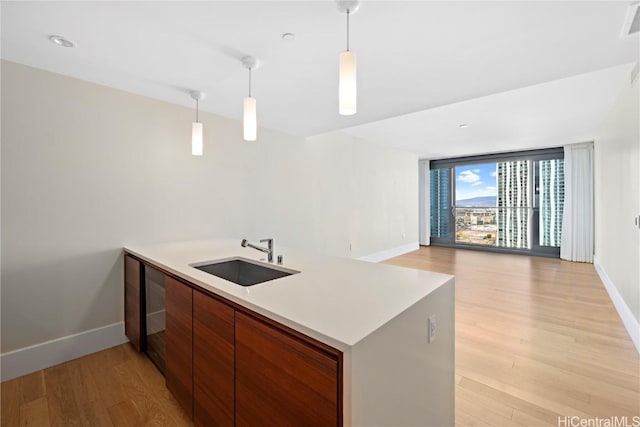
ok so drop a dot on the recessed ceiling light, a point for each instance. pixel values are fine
(61, 41)
(288, 37)
(463, 126)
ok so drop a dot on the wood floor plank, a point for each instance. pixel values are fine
(526, 419)
(91, 408)
(155, 383)
(63, 409)
(150, 411)
(10, 398)
(487, 402)
(32, 386)
(35, 413)
(125, 414)
(482, 412)
(101, 365)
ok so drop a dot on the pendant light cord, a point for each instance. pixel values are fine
(347, 30)
(197, 110)
(249, 82)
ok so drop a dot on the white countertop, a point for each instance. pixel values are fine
(338, 301)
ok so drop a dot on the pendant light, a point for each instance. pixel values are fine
(250, 121)
(196, 127)
(347, 85)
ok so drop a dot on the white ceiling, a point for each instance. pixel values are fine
(550, 114)
(412, 56)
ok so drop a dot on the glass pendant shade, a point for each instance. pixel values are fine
(250, 120)
(347, 89)
(196, 139)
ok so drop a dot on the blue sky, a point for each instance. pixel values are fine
(476, 181)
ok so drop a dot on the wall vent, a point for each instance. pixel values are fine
(632, 20)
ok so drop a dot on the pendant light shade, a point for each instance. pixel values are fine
(196, 127)
(250, 120)
(347, 86)
(347, 79)
(196, 139)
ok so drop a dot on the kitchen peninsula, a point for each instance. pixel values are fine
(340, 342)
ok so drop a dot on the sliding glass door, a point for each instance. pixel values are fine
(508, 202)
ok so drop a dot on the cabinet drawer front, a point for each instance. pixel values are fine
(179, 341)
(213, 361)
(281, 380)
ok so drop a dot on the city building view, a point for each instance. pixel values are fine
(495, 203)
(439, 199)
(551, 201)
(513, 203)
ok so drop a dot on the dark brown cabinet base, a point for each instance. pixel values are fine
(228, 366)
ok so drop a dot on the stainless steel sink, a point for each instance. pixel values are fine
(243, 271)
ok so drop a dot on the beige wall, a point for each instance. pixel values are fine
(617, 196)
(87, 169)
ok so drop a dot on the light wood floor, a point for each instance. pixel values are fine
(536, 339)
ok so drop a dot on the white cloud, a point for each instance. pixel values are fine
(468, 176)
(494, 173)
(476, 183)
(490, 188)
(476, 170)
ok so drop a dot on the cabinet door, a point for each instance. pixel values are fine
(213, 359)
(179, 342)
(133, 303)
(281, 380)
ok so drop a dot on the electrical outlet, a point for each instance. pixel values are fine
(432, 328)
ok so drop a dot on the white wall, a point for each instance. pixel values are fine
(617, 197)
(87, 169)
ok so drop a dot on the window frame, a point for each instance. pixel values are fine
(534, 156)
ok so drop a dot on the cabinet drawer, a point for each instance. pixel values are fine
(282, 379)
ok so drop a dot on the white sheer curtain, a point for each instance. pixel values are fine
(424, 199)
(577, 221)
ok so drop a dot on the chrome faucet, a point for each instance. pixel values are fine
(268, 250)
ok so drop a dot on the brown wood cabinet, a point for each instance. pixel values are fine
(133, 302)
(179, 342)
(228, 366)
(281, 380)
(213, 359)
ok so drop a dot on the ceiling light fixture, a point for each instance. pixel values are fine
(347, 86)
(61, 41)
(250, 121)
(463, 126)
(196, 127)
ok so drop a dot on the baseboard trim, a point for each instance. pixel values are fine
(628, 319)
(390, 253)
(39, 356)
